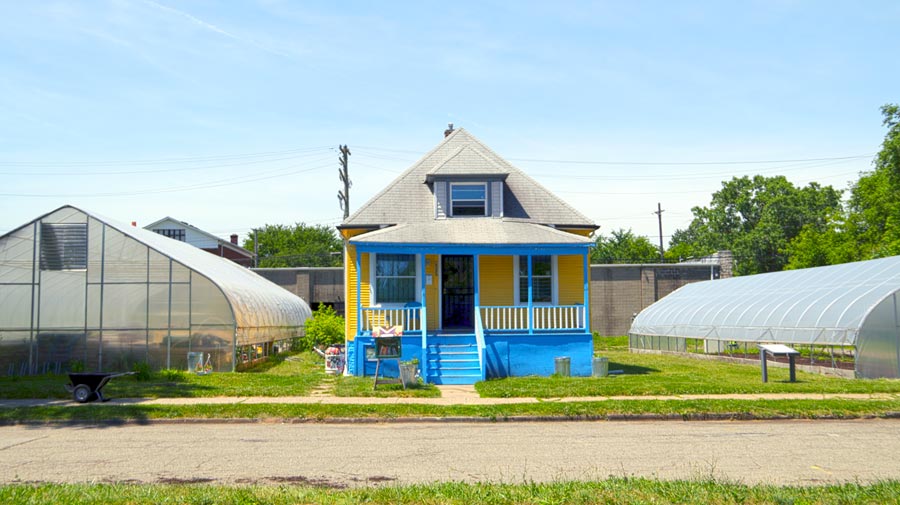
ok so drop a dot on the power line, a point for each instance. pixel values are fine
(682, 163)
(216, 165)
(163, 160)
(650, 163)
(217, 184)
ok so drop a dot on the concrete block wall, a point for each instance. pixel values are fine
(618, 292)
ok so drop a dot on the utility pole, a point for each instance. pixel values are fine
(344, 196)
(255, 248)
(659, 211)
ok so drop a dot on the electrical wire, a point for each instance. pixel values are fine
(164, 160)
(216, 184)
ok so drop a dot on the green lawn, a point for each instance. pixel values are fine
(611, 409)
(285, 375)
(363, 386)
(657, 374)
(613, 490)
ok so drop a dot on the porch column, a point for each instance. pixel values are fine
(358, 292)
(423, 319)
(587, 292)
(530, 300)
(476, 283)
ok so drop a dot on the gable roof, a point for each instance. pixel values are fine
(222, 242)
(408, 199)
(466, 161)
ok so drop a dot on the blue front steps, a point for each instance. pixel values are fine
(453, 360)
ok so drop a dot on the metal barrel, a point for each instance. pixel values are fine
(600, 367)
(562, 366)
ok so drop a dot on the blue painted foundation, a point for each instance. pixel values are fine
(357, 364)
(517, 355)
(506, 354)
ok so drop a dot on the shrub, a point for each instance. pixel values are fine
(172, 375)
(142, 370)
(324, 328)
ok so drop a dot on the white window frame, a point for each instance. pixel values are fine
(486, 197)
(373, 294)
(554, 282)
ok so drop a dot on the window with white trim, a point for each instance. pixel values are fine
(395, 278)
(468, 199)
(541, 279)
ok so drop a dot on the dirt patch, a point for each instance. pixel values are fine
(306, 481)
(380, 478)
(177, 480)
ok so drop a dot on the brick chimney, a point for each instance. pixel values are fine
(234, 238)
(449, 130)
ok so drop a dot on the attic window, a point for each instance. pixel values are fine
(63, 246)
(176, 233)
(468, 199)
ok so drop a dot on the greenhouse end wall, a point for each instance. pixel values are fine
(79, 294)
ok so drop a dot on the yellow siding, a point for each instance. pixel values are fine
(350, 287)
(496, 280)
(582, 232)
(431, 292)
(571, 279)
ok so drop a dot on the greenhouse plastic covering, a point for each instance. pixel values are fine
(75, 286)
(832, 305)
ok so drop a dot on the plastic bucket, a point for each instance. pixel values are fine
(562, 366)
(600, 367)
(195, 362)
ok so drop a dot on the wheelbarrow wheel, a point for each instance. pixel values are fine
(82, 393)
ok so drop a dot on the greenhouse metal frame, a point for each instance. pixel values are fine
(79, 291)
(851, 305)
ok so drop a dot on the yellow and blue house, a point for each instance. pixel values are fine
(485, 271)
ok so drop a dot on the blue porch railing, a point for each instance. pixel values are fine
(479, 341)
(542, 317)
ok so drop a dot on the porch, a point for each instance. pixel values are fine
(456, 337)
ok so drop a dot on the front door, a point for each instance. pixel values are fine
(457, 292)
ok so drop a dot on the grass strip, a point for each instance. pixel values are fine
(613, 490)
(657, 374)
(614, 409)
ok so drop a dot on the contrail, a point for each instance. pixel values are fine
(213, 28)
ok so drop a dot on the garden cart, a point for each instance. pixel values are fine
(86, 387)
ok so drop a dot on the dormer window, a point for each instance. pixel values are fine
(468, 199)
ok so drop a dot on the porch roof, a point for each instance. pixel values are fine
(472, 232)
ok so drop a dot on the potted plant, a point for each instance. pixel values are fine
(409, 372)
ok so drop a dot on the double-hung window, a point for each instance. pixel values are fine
(468, 199)
(395, 278)
(541, 279)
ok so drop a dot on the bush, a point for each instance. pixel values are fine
(173, 375)
(324, 328)
(142, 371)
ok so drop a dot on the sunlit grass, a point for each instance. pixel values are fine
(613, 490)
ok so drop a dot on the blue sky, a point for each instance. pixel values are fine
(228, 114)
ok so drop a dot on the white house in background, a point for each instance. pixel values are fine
(185, 232)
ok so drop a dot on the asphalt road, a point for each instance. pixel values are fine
(783, 452)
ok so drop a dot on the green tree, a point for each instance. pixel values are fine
(300, 245)
(874, 209)
(870, 226)
(623, 246)
(756, 218)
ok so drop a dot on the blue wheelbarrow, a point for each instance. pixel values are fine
(87, 386)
